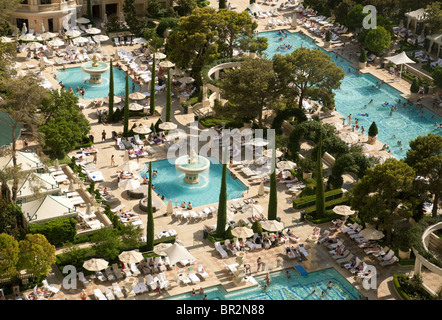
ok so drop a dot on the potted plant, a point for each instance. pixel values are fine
(307, 166)
(327, 39)
(402, 241)
(414, 89)
(372, 133)
(363, 59)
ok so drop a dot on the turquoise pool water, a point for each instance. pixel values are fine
(6, 130)
(281, 287)
(357, 90)
(169, 182)
(75, 77)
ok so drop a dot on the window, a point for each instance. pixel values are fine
(45, 1)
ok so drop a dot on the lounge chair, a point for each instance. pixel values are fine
(303, 251)
(192, 276)
(109, 294)
(49, 288)
(120, 144)
(150, 282)
(386, 257)
(334, 245)
(340, 256)
(201, 272)
(134, 269)
(324, 236)
(99, 295)
(126, 270)
(183, 278)
(389, 262)
(160, 264)
(350, 228)
(220, 249)
(138, 140)
(164, 283)
(141, 286)
(346, 259)
(100, 276)
(83, 279)
(231, 267)
(109, 274)
(117, 290)
(232, 250)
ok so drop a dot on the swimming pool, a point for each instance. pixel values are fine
(75, 77)
(281, 287)
(405, 124)
(169, 182)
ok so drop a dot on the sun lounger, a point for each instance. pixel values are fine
(192, 276)
(109, 294)
(83, 279)
(334, 245)
(117, 290)
(183, 278)
(303, 250)
(346, 259)
(389, 262)
(386, 257)
(340, 256)
(201, 272)
(301, 270)
(160, 264)
(231, 267)
(220, 249)
(100, 276)
(164, 283)
(350, 228)
(233, 249)
(109, 274)
(126, 270)
(134, 269)
(99, 295)
(150, 282)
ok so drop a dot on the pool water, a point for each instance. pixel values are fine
(281, 287)
(76, 77)
(405, 124)
(169, 182)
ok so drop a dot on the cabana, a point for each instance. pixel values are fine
(414, 17)
(36, 184)
(400, 59)
(436, 40)
(28, 161)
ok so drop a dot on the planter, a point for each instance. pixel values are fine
(372, 140)
(362, 65)
(404, 254)
(307, 174)
(414, 96)
(327, 44)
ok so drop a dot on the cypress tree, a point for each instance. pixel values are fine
(152, 87)
(168, 97)
(222, 203)
(320, 196)
(126, 109)
(150, 222)
(222, 4)
(111, 93)
(89, 9)
(273, 200)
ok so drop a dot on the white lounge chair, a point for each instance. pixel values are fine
(109, 274)
(163, 281)
(100, 276)
(220, 249)
(183, 278)
(389, 262)
(201, 272)
(99, 295)
(134, 269)
(48, 287)
(83, 279)
(231, 267)
(192, 276)
(150, 282)
(117, 290)
(233, 250)
(109, 294)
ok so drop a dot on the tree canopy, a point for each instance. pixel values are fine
(378, 40)
(36, 254)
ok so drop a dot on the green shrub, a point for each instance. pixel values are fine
(256, 227)
(329, 205)
(415, 86)
(308, 201)
(363, 56)
(57, 231)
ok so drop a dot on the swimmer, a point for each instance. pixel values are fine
(371, 101)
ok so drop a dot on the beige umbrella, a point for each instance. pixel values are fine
(167, 126)
(286, 165)
(128, 166)
(242, 232)
(57, 165)
(169, 209)
(82, 20)
(137, 96)
(166, 64)
(159, 248)
(93, 31)
(116, 99)
(343, 210)
(130, 256)
(261, 189)
(159, 55)
(88, 209)
(100, 38)
(5, 39)
(71, 187)
(73, 33)
(135, 106)
(27, 37)
(272, 225)
(371, 234)
(34, 45)
(143, 129)
(253, 209)
(48, 35)
(95, 264)
(349, 137)
(367, 147)
(268, 153)
(56, 43)
(139, 41)
(129, 184)
(177, 253)
(81, 40)
(186, 79)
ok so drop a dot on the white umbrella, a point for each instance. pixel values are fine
(88, 209)
(338, 125)
(130, 256)
(166, 64)
(128, 166)
(116, 99)
(57, 165)
(43, 29)
(27, 37)
(177, 253)
(343, 210)
(93, 31)
(286, 165)
(253, 209)
(167, 126)
(135, 106)
(73, 33)
(259, 142)
(367, 147)
(100, 38)
(5, 39)
(159, 248)
(401, 59)
(272, 225)
(143, 129)
(71, 187)
(95, 264)
(82, 20)
(349, 137)
(169, 209)
(186, 79)
(81, 40)
(268, 153)
(139, 41)
(24, 29)
(242, 232)
(129, 184)
(56, 43)
(371, 234)
(160, 55)
(34, 45)
(261, 189)
(48, 35)
(137, 96)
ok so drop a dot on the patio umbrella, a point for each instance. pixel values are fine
(5, 39)
(130, 256)
(48, 35)
(272, 225)
(167, 126)
(43, 29)
(343, 210)
(27, 37)
(242, 232)
(139, 41)
(100, 38)
(268, 153)
(24, 29)
(253, 209)
(81, 40)
(34, 45)
(338, 125)
(72, 33)
(371, 234)
(57, 165)
(143, 129)
(169, 209)
(95, 264)
(135, 106)
(367, 147)
(177, 253)
(261, 188)
(128, 166)
(349, 137)
(166, 64)
(93, 31)
(82, 20)
(116, 99)
(186, 79)
(286, 165)
(159, 55)
(137, 96)
(88, 209)
(129, 184)
(159, 248)
(56, 43)
(259, 142)
(401, 59)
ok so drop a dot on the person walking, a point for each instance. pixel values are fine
(112, 161)
(95, 158)
(103, 135)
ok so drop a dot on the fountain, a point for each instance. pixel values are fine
(192, 165)
(95, 68)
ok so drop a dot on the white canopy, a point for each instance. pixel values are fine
(28, 161)
(42, 183)
(47, 208)
(177, 253)
(400, 58)
(254, 8)
(416, 14)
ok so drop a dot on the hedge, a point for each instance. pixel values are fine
(330, 215)
(398, 287)
(309, 201)
(56, 231)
